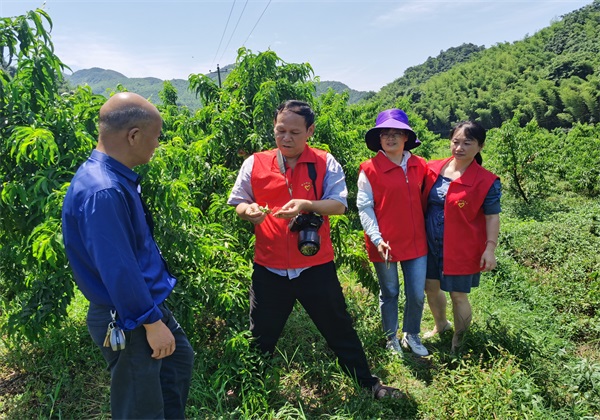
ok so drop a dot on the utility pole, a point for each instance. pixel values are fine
(218, 74)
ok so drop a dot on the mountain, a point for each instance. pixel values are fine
(551, 76)
(104, 81)
(419, 74)
(339, 87)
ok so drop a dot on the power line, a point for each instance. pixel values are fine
(224, 30)
(259, 18)
(236, 25)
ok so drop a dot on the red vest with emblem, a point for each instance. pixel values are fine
(397, 205)
(464, 221)
(276, 246)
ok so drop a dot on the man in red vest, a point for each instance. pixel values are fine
(288, 193)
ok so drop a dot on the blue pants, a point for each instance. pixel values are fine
(318, 290)
(414, 289)
(142, 387)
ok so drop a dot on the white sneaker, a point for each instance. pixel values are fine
(394, 345)
(413, 342)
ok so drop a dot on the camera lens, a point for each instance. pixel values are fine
(309, 242)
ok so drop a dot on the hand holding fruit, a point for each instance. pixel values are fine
(291, 209)
(255, 213)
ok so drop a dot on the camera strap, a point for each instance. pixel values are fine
(282, 169)
(281, 162)
(312, 173)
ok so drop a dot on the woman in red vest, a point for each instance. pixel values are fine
(462, 220)
(390, 210)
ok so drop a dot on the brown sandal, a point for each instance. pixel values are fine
(381, 391)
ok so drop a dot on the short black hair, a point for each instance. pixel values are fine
(125, 117)
(297, 107)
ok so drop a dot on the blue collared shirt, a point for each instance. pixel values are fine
(109, 244)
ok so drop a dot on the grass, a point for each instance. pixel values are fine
(532, 352)
(61, 376)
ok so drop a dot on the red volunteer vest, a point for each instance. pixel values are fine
(276, 246)
(397, 205)
(464, 221)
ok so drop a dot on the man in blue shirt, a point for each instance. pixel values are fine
(108, 236)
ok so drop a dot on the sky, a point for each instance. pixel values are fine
(364, 44)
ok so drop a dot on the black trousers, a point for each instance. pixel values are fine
(318, 290)
(142, 387)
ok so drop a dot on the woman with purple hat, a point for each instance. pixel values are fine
(390, 210)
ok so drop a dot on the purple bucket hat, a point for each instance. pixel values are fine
(391, 118)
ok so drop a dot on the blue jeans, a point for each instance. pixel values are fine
(414, 289)
(142, 387)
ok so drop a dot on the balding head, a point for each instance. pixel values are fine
(127, 123)
(125, 110)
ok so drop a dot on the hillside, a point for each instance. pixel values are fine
(532, 351)
(103, 81)
(419, 74)
(339, 87)
(551, 77)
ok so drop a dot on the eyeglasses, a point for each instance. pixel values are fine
(396, 136)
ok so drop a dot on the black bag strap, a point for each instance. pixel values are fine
(312, 173)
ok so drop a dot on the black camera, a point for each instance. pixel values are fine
(307, 225)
